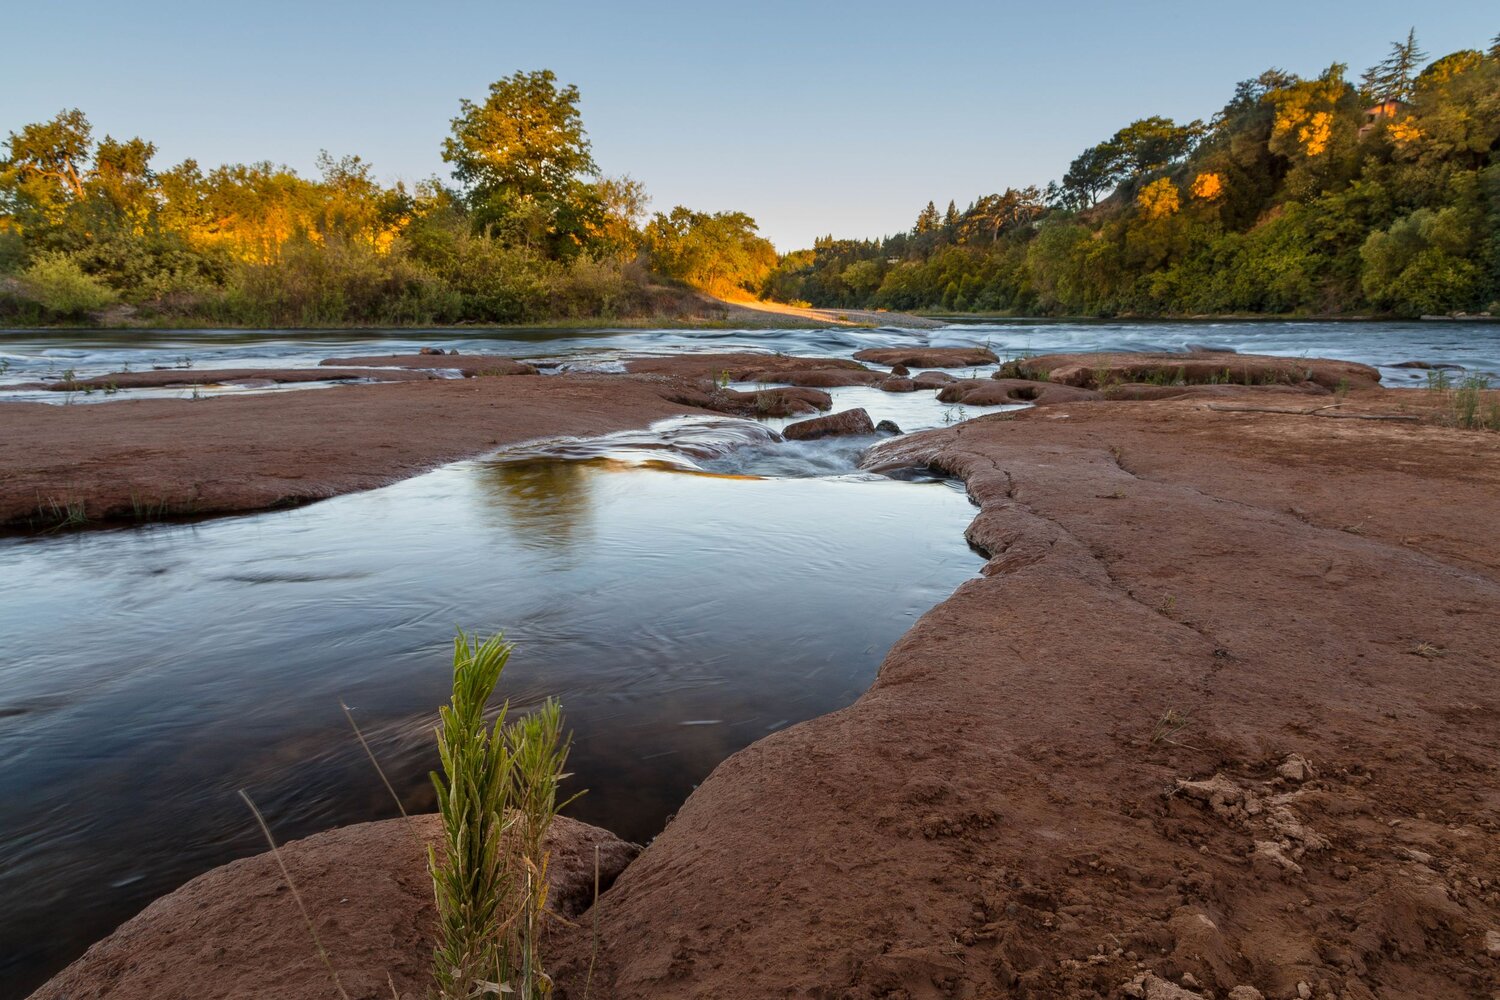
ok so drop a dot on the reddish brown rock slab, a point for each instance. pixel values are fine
(855, 421)
(932, 380)
(897, 385)
(169, 377)
(1093, 371)
(237, 932)
(819, 378)
(781, 401)
(739, 367)
(469, 364)
(1174, 594)
(256, 451)
(1144, 391)
(928, 357)
(998, 392)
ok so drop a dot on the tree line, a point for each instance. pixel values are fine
(1301, 195)
(527, 229)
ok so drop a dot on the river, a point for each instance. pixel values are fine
(684, 590)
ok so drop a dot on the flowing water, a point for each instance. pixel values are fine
(684, 589)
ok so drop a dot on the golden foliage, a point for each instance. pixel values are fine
(1208, 187)
(1159, 199)
(1316, 133)
(1405, 131)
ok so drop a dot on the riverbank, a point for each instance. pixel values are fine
(1173, 732)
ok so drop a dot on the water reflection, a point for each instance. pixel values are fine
(546, 504)
(679, 617)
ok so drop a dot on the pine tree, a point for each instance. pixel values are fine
(950, 217)
(1394, 78)
(928, 220)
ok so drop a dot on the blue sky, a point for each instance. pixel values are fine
(814, 117)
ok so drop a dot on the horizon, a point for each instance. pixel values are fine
(858, 162)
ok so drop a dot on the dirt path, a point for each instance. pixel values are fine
(830, 317)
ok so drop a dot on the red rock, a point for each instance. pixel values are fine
(236, 932)
(898, 385)
(998, 392)
(928, 357)
(932, 380)
(1094, 371)
(855, 421)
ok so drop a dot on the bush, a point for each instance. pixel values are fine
(60, 286)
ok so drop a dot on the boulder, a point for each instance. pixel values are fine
(889, 427)
(999, 392)
(898, 385)
(932, 380)
(855, 421)
(928, 357)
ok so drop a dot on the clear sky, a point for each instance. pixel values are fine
(814, 117)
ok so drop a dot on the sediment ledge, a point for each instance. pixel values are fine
(156, 458)
(1219, 716)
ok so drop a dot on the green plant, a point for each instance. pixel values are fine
(1167, 728)
(497, 795)
(60, 286)
(1341, 391)
(1438, 381)
(63, 514)
(1466, 400)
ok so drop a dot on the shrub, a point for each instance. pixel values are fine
(61, 287)
(497, 797)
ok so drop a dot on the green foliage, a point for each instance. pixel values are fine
(1296, 197)
(720, 253)
(60, 286)
(497, 796)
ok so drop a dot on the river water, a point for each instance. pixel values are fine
(684, 589)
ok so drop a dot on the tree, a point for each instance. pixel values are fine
(55, 153)
(1149, 144)
(1094, 172)
(526, 142)
(927, 220)
(1394, 78)
(720, 253)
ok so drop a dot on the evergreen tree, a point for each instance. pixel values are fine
(1394, 78)
(927, 221)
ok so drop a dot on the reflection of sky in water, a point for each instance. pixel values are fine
(678, 616)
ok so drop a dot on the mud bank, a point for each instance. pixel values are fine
(1220, 716)
(145, 459)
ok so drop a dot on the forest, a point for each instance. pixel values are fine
(1315, 196)
(1307, 196)
(528, 230)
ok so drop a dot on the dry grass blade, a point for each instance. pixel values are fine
(297, 896)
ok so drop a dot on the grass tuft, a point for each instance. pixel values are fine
(497, 796)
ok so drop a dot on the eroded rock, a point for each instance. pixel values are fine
(855, 421)
(928, 357)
